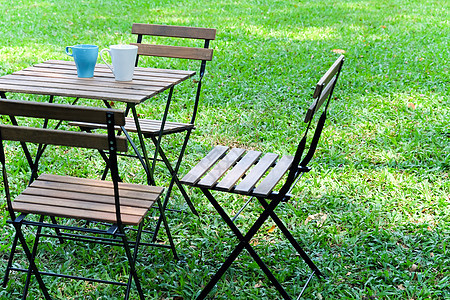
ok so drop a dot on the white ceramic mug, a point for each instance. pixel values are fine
(123, 59)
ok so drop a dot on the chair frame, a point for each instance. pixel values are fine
(218, 162)
(114, 233)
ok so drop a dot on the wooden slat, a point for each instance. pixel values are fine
(174, 51)
(233, 176)
(274, 176)
(126, 201)
(74, 213)
(120, 86)
(317, 103)
(106, 191)
(88, 203)
(141, 85)
(258, 171)
(60, 137)
(194, 175)
(328, 75)
(174, 31)
(221, 167)
(105, 74)
(148, 127)
(87, 199)
(35, 90)
(58, 78)
(64, 64)
(59, 111)
(58, 84)
(153, 127)
(104, 187)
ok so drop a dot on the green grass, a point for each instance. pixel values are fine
(381, 171)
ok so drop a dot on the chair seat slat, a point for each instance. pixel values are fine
(153, 127)
(80, 198)
(88, 189)
(148, 127)
(194, 175)
(258, 171)
(74, 213)
(86, 204)
(94, 182)
(233, 176)
(219, 169)
(125, 201)
(274, 176)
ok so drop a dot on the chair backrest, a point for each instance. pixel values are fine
(323, 93)
(18, 108)
(48, 136)
(196, 53)
(203, 54)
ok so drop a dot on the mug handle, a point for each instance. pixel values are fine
(67, 50)
(101, 55)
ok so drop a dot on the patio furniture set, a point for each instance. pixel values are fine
(110, 212)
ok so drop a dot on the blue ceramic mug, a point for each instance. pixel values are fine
(85, 57)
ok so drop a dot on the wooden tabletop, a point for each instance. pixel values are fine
(59, 78)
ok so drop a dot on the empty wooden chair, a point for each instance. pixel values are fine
(256, 175)
(50, 201)
(156, 129)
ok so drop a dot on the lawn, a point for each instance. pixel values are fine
(380, 178)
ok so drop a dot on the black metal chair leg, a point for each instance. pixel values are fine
(33, 266)
(58, 232)
(135, 252)
(174, 173)
(10, 260)
(145, 160)
(132, 264)
(174, 180)
(161, 131)
(33, 256)
(244, 243)
(223, 268)
(162, 217)
(291, 239)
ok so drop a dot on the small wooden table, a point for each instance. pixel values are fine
(59, 78)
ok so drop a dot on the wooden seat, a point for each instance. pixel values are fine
(148, 127)
(235, 163)
(112, 204)
(267, 177)
(88, 199)
(153, 127)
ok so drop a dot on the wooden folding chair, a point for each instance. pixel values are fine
(156, 129)
(50, 199)
(256, 175)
